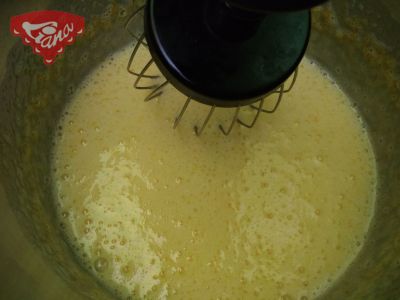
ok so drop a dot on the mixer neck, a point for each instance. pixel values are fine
(239, 20)
(265, 6)
(231, 24)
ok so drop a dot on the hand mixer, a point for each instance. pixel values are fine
(222, 53)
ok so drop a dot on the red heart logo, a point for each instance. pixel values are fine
(47, 32)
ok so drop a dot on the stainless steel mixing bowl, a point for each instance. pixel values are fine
(358, 43)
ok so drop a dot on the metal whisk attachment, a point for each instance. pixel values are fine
(229, 57)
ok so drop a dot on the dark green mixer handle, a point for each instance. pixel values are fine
(228, 53)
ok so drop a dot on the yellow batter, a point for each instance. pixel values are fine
(276, 212)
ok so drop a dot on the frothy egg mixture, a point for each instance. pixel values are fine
(276, 212)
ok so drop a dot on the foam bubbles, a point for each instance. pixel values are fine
(101, 264)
